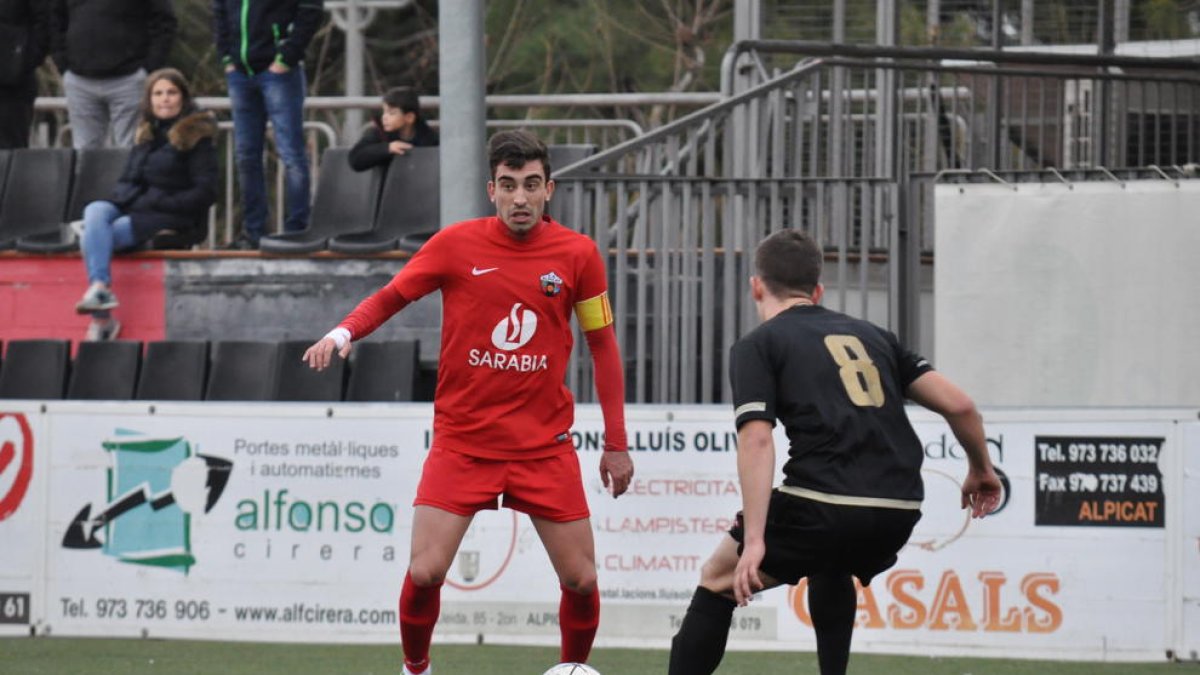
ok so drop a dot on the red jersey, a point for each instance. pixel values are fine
(506, 332)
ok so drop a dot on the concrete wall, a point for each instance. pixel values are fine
(289, 299)
(286, 299)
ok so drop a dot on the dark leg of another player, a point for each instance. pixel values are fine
(699, 646)
(832, 603)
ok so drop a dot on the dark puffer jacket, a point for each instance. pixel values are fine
(170, 180)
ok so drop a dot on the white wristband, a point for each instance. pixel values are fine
(340, 336)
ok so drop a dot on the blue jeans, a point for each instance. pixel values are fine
(105, 230)
(280, 98)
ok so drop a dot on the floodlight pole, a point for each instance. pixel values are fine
(461, 111)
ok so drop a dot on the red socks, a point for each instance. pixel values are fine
(578, 617)
(419, 609)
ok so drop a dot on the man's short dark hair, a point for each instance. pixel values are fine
(789, 263)
(516, 147)
(404, 98)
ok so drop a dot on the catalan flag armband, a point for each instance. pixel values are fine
(594, 313)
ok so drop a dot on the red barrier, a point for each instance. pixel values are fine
(38, 296)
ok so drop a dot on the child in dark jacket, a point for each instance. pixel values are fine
(397, 129)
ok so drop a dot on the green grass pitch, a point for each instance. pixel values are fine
(79, 656)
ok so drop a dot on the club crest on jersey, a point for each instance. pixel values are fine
(551, 284)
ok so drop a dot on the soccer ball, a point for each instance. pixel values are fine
(572, 669)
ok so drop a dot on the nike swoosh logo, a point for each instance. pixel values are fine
(475, 271)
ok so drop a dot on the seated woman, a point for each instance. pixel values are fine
(164, 193)
(397, 129)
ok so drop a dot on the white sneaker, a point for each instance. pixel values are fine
(428, 670)
(96, 299)
(77, 229)
(103, 331)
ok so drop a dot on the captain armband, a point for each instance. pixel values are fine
(594, 313)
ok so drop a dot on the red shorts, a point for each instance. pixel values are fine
(550, 488)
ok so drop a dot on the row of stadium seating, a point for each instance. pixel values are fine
(199, 371)
(43, 189)
(352, 214)
(356, 213)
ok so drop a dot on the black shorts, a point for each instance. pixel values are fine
(806, 537)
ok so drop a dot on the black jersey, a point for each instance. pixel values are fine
(837, 383)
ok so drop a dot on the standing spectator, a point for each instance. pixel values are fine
(104, 48)
(262, 45)
(398, 128)
(24, 41)
(164, 193)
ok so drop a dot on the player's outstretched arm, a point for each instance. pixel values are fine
(369, 315)
(981, 489)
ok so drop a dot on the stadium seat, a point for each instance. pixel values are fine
(409, 209)
(426, 387)
(345, 203)
(5, 159)
(298, 382)
(173, 370)
(97, 170)
(242, 371)
(35, 193)
(383, 371)
(35, 369)
(105, 370)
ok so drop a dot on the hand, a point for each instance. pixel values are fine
(278, 68)
(981, 492)
(320, 355)
(616, 470)
(746, 581)
(399, 147)
(229, 67)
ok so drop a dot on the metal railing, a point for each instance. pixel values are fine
(324, 133)
(583, 128)
(831, 147)
(1023, 110)
(680, 210)
(679, 253)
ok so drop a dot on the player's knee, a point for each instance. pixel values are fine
(426, 575)
(583, 582)
(711, 576)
